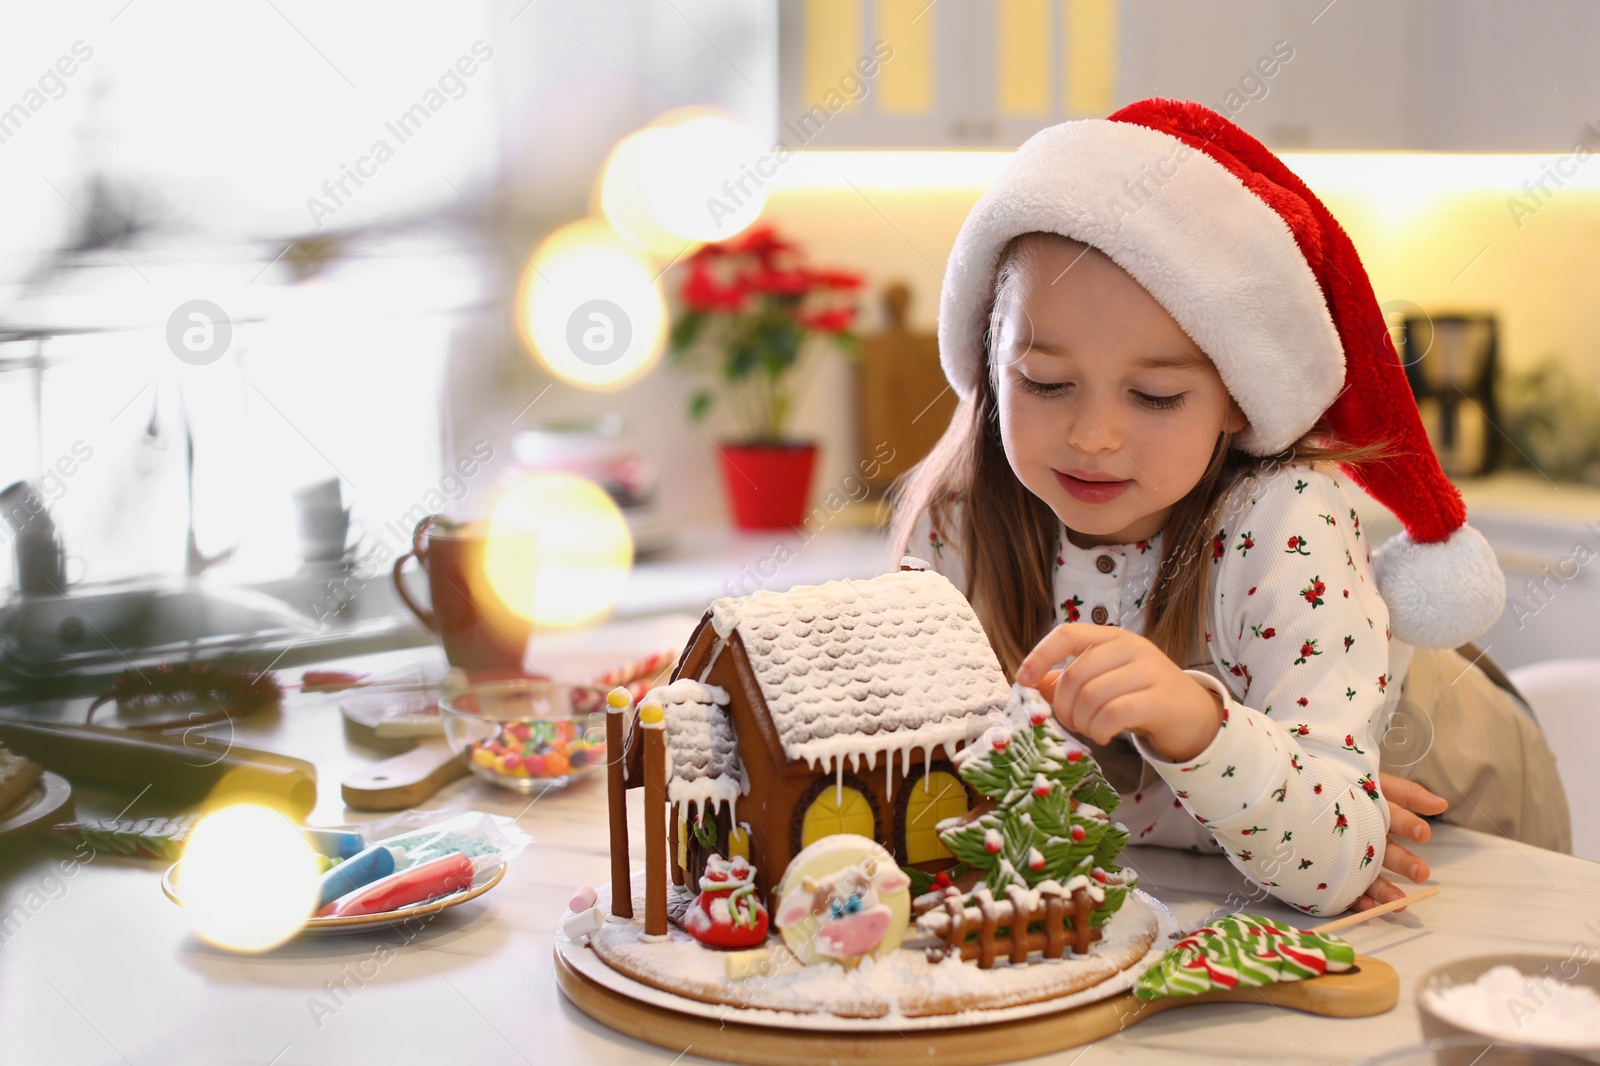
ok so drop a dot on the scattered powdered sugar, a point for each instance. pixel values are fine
(901, 990)
(1509, 1005)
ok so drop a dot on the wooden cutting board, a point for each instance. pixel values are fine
(404, 780)
(1372, 987)
(905, 403)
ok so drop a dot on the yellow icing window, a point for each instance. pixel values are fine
(683, 842)
(739, 844)
(932, 799)
(837, 810)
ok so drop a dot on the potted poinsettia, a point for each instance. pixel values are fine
(749, 307)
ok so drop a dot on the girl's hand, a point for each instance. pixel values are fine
(1403, 798)
(1121, 681)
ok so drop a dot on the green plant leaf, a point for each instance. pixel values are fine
(742, 361)
(699, 404)
(685, 332)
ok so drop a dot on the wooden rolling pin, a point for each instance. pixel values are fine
(188, 769)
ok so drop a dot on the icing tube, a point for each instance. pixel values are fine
(361, 869)
(415, 885)
(334, 843)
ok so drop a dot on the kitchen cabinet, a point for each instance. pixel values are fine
(1375, 75)
(970, 74)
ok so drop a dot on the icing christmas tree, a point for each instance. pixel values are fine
(1050, 821)
(1243, 950)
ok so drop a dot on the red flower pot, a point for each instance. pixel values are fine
(769, 485)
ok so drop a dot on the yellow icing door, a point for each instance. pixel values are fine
(837, 810)
(933, 798)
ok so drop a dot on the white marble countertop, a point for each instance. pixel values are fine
(99, 968)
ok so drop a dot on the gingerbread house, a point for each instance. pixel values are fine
(826, 709)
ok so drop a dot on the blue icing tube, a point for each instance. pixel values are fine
(358, 870)
(334, 843)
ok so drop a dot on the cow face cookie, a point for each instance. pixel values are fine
(842, 899)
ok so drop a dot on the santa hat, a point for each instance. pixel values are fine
(1257, 272)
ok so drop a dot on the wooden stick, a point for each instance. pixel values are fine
(1372, 912)
(655, 820)
(618, 704)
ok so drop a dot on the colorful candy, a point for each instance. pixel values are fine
(537, 750)
(406, 888)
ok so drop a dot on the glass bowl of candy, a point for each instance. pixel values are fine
(527, 735)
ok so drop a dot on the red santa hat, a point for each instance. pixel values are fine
(1258, 273)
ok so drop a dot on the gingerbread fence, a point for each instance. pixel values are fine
(1002, 925)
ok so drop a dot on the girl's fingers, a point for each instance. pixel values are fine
(1100, 709)
(1382, 890)
(1401, 860)
(1403, 823)
(1411, 795)
(1069, 638)
(1089, 664)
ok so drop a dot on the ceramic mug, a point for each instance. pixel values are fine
(479, 633)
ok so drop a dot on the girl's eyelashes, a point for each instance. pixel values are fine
(1056, 388)
(1161, 403)
(1040, 388)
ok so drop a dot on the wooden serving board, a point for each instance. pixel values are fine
(1372, 987)
(405, 780)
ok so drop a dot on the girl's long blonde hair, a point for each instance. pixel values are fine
(1007, 537)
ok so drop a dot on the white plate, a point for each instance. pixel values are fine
(48, 799)
(486, 879)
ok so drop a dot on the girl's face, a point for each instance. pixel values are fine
(1108, 411)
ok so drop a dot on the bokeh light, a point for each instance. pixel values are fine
(692, 176)
(589, 307)
(626, 197)
(248, 878)
(559, 550)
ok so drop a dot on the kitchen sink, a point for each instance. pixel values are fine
(102, 631)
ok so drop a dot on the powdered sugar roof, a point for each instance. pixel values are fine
(703, 765)
(895, 661)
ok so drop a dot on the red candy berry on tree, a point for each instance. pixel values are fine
(1099, 875)
(1074, 756)
(1078, 834)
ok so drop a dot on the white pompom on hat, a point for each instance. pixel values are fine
(1258, 273)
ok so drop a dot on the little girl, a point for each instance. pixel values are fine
(1163, 343)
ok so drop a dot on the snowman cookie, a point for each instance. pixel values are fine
(841, 900)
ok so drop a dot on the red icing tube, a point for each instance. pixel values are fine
(404, 888)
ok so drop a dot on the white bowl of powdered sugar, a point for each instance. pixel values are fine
(1542, 1001)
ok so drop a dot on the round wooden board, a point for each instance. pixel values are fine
(1372, 987)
